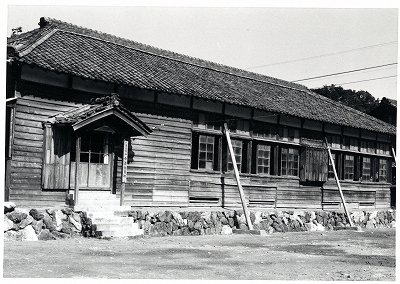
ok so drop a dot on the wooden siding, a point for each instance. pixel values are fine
(159, 168)
(159, 164)
(27, 152)
(358, 195)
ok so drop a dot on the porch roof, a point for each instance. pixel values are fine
(105, 114)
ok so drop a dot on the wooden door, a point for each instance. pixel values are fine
(95, 161)
(314, 164)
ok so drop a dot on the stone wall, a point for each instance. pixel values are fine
(47, 224)
(42, 224)
(165, 223)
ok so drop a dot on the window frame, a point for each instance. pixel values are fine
(287, 168)
(258, 159)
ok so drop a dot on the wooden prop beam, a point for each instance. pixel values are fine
(393, 153)
(237, 176)
(337, 182)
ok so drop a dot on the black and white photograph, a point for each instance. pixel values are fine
(172, 140)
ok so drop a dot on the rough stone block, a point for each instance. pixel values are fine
(24, 222)
(36, 214)
(28, 234)
(16, 217)
(49, 223)
(8, 224)
(9, 206)
(66, 227)
(226, 230)
(46, 235)
(38, 226)
(370, 224)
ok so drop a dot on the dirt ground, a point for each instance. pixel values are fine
(330, 255)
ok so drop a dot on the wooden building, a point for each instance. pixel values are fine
(74, 96)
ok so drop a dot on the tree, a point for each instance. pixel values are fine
(360, 100)
(16, 31)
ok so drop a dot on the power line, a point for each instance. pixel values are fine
(345, 72)
(323, 55)
(373, 79)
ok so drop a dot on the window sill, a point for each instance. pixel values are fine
(205, 172)
(230, 174)
(335, 150)
(360, 182)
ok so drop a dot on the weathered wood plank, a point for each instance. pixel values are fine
(28, 143)
(24, 149)
(28, 129)
(26, 165)
(31, 159)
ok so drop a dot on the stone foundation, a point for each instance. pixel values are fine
(48, 224)
(165, 223)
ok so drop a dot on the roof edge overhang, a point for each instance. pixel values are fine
(128, 119)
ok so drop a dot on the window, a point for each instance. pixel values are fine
(209, 121)
(350, 143)
(367, 169)
(348, 167)
(383, 170)
(239, 126)
(263, 157)
(265, 131)
(334, 141)
(94, 148)
(367, 146)
(289, 134)
(383, 148)
(331, 174)
(205, 151)
(237, 146)
(289, 162)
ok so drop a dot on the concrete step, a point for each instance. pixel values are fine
(117, 227)
(102, 208)
(119, 233)
(113, 220)
(99, 202)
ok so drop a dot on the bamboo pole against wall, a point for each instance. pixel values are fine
(237, 176)
(337, 182)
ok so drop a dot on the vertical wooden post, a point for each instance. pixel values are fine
(77, 165)
(337, 181)
(237, 176)
(124, 171)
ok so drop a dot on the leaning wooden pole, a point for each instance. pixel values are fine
(393, 153)
(237, 176)
(337, 182)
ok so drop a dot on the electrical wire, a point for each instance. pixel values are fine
(345, 72)
(324, 55)
(373, 79)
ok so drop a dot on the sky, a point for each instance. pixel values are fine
(281, 40)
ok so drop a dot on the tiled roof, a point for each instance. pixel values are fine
(86, 53)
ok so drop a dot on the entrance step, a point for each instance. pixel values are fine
(104, 208)
(109, 219)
